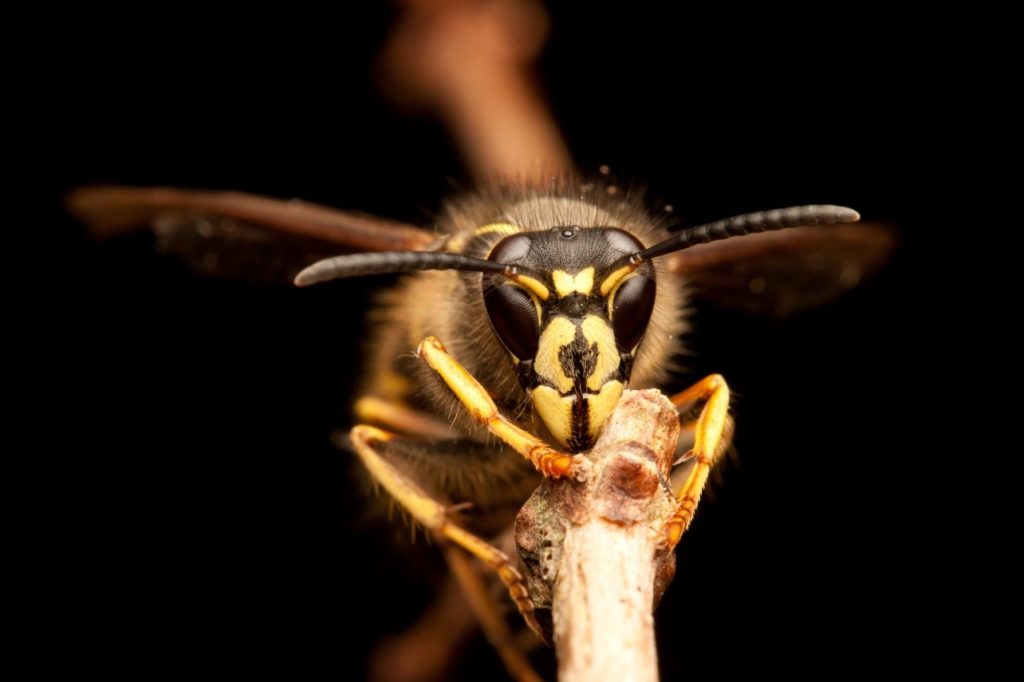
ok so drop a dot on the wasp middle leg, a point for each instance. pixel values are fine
(712, 434)
(396, 416)
(434, 515)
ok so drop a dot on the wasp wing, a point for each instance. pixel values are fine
(788, 271)
(237, 234)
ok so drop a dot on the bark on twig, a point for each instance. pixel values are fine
(591, 550)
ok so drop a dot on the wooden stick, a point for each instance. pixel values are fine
(592, 549)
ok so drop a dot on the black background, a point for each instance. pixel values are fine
(201, 519)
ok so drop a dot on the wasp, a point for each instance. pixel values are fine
(500, 357)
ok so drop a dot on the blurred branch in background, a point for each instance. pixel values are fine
(471, 63)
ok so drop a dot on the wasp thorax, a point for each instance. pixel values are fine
(572, 320)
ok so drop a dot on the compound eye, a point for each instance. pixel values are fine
(514, 319)
(622, 241)
(511, 249)
(631, 311)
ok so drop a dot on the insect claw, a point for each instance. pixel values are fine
(432, 341)
(581, 468)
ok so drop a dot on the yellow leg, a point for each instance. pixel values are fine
(711, 439)
(434, 515)
(474, 397)
(397, 417)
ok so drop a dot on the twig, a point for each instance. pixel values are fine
(591, 549)
(470, 61)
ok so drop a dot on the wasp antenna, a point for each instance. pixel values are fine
(358, 264)
(761, 221)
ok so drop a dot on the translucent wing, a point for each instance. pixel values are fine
(784, 272)
(236, 234)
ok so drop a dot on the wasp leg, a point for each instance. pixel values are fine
(425, 652)
(434, 515)
(486, 612)
(398, 417)
(474, 398)
(712, 434)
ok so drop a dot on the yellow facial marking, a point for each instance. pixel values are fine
(497, 228)
(559, 332)
(582, 282)
(556, 411)
(534, 286)
(613, 279)
(600, 406)
(597, 331)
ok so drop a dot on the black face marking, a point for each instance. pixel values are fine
(578, 360)
(580, 438)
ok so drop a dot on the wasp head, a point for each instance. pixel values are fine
(572, 318)
(571, 304)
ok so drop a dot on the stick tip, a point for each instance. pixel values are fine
(306, 276)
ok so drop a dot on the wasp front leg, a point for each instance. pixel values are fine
(712, 434)
(474, 397)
